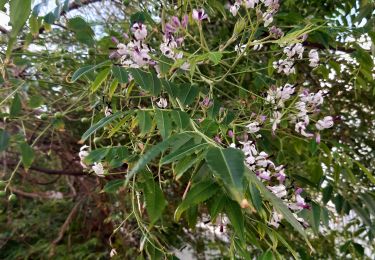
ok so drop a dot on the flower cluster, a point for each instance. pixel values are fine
(97, 167)
(172, 40)
(293, 53)
(136, 53)
(259, 162)
(267, 16)
(308, 104)
(274, 178)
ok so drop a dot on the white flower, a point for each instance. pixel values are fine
(264, 174)
(257, 47)
(286, 91)
(268, 2)
(275, 219)
(298, 49)
(262, 160)
(314, 99)
(107, 111)
(284, 66)
(314, 58)
(249, 149)
(251, 3)
(253, 127)
(267, 18)
(140, 31)
(185, 66)
(82, 155)
(280, 173)
(294, 49)
(326, 122)
(279, 190)
(232, 145)
(240, 48)
(162, 103)
(199, 15)
(141, 57)
(55, 195)
(122, 49)
(113, 253)
(234, 8)
(300, 127)
(98, 169)
(275, 120)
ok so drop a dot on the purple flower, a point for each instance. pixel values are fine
(317, 138)
(176, 21)
(206, 102)
(114, 40)
(199, 15)
(217, 139)
(230, 133)
(184, 21)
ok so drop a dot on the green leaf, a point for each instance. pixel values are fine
(181, 119)
(144, 121)
(34, 25)
(155, 201)
(100, 78)
(113, 87)
(215, 57)
(267, 256)
(113, 186)
(165, 64)
(19, 11)
(216, 205)
(278, 204)
(255, 197)
(15, 108)
(187, 93)
(182, 152)
(200, 192)
(146, 80)
(154, 152)
(117, 156)
(138, 17)
(27, 155)
(369, 175)
(36, 101)
(163, 122)
(4, 140)
(121, 74)
(227, 164)
(84, 70)
(327, 193)
(82, 30)
(236, 218)
(96, 155)
(103, 122)
(315, 217)
(185, 164)
(2, 4)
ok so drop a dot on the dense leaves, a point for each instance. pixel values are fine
(125, 129)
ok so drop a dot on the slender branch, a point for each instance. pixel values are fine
(322, 47)
(51, 171)
(64, 227)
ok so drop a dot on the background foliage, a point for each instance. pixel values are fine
(57, 80)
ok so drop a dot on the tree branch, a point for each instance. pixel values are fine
(322, 47)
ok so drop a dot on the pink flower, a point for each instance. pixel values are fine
(140, 31)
